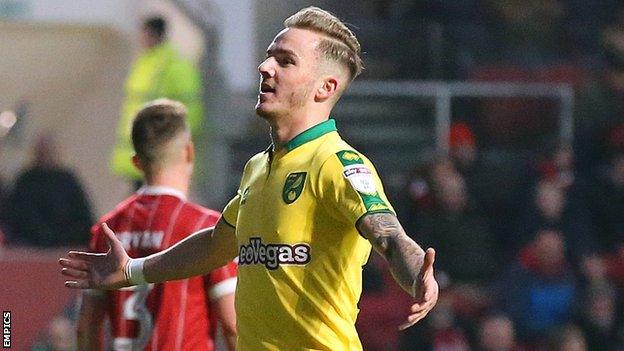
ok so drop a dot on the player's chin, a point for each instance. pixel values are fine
(264, 111)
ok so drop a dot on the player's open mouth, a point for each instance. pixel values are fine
(265, 88)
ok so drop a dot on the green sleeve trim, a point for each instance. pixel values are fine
(373, 202)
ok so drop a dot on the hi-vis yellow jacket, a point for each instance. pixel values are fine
(157, 73)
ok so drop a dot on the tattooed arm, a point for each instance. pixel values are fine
(411, 267)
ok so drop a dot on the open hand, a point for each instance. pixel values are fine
(97, 270)
(425, 291)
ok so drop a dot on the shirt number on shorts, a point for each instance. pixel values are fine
(135, 309)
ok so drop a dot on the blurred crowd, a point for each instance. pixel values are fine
(530, 257)
(520, 269)
(538, 267)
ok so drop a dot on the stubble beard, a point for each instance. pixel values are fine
(295, 101)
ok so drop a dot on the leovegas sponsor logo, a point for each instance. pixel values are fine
(273, 255)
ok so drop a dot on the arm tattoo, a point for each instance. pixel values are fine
(404, 256)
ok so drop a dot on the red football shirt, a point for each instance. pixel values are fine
(167, 316)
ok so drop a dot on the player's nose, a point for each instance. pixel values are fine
(267, 68)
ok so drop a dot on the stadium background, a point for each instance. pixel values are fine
(509, 77)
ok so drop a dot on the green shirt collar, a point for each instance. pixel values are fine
(311, 134)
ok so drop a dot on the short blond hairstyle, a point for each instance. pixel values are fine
(341, 45)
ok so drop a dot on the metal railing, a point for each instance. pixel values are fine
(444, 92)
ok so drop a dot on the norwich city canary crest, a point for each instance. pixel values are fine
(293, 187)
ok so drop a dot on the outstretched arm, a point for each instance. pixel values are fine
(198, 254)
(411, 267)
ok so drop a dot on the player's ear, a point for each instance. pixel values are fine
(327, 89)
(137, 162)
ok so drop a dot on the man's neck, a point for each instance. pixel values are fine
(286, 129)
(171, 180)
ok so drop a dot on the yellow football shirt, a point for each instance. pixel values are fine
(300, 254)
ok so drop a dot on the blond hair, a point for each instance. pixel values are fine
(340, 45)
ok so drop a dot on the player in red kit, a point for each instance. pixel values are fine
(176, 315)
